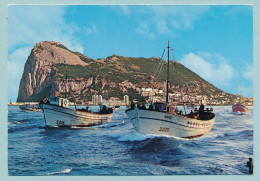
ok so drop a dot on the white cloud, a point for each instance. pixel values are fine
(125, 10)
(91, 29)
(162, 27)
(217, 73)
(144, 29)
(170, 18)
(15, 69)
(248, 72)
(122, 9)
(162, 19)
(28, 25)
(247, 91)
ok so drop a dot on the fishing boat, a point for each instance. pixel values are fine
(28, 107)
(162, 119)
(116, 108)
(239, 107)
(58, 114)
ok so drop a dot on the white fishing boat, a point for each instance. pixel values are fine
(58, 114)
(166, 122)
(161, 119)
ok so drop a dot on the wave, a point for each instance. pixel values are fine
(130, 136)
(15, 128)
(209, 137)
(235, 133)
(109, 125)
(213, 136)
(66, 171)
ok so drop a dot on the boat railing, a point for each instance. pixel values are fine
(202, 114)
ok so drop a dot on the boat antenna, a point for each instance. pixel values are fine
(66, 76)
(167, 81)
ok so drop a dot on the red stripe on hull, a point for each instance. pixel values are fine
(239, 108)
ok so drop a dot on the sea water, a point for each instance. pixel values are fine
(117, 149)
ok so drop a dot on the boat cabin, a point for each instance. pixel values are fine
(160, 106)
(62, 102)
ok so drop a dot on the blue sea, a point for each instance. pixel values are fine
(117, 149)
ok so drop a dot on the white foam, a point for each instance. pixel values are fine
(134, 137)
(129, 136)
(68, 170)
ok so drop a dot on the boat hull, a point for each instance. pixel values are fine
(116, 109)
(239, 108)
(166, 124)
(56, 116)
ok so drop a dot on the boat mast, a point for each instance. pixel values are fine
(66, 82)
(167, 81)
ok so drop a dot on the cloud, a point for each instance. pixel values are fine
(247, 90)
(15, 69)
(180, 16)
(144, 29)
(125, 10)
(234, 11)
(160, 19)
(91, 29)
(122, 9)
(28, 25)
(217, 72)
(248, 72)
(168, 19)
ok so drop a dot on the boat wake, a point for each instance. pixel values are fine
(20, 127)
(129, 137)
(236, 133)
(66, 171)
(109, 125)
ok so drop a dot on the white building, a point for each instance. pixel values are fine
(96, 99)
(126, 100)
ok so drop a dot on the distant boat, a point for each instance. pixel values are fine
(239, 107)
(116, 108)
(57, 114)
(161, 119)
(28, 107)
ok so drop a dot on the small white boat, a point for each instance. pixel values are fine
(28, 107)
(57, 114)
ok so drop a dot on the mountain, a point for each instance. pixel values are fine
(49, 62)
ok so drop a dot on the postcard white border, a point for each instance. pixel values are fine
(4, 87)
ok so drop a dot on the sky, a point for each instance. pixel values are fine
(214, 41)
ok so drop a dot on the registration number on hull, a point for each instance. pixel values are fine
(59, 122)
(164, 129)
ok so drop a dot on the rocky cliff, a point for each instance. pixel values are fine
(38, 78)
(49, 63)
